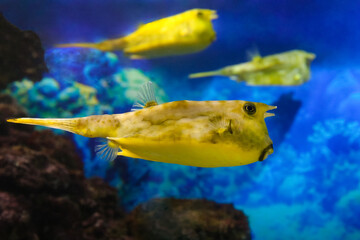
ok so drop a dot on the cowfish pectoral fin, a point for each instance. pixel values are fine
(124, 152)
(106, 149)
(146, 97)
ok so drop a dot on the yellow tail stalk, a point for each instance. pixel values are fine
(205, 74)
(106, 46)
(65, 124)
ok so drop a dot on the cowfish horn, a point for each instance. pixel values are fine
(266, 114)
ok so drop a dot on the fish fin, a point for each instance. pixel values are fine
(66, 124)
(76, 45)
(106, 149)
(126, 153)
(107, 45)
(146, 97)
(253, 54)
(222, 125)
(205, 74)
(141, 24)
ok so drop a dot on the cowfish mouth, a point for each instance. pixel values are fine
(267, 114)
(266, 152)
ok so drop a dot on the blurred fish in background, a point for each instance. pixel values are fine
(284, 69)
(184, 33)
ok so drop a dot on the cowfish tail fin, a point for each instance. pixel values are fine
(106, 149)
(66, 124)
(107, 45)
(76, 45)
(205, 74)
(146, 97)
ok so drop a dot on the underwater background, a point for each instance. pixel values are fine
(307, 189)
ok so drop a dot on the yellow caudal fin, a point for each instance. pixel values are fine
(108, 45)
(77, 45)
(205, 74)
(66, 124)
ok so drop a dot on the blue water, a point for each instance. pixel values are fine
(308, 189)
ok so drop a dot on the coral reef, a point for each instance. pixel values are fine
(21, 54)
(117, 86)
(49, 98)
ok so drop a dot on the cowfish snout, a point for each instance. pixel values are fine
(266, 152)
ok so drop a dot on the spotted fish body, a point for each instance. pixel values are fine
(187, 32)
(194, 133)
(284, 69)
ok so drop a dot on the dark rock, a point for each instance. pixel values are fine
(170, 219)
(21, 54)
(43, 191)
(15, 221)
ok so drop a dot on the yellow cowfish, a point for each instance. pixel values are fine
(193, 133)
(184, 33)
(285, 69)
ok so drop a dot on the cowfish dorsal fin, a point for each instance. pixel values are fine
(146, 97)
(106, 149)
(140, 25)
(253, 54)
(222, 124)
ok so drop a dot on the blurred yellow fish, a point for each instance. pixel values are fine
(184, 33)
(286, 69)
(193, 133)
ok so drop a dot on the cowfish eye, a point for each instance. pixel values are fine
(199, 14)
(250, 108)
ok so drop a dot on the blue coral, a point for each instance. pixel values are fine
(48, 98)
